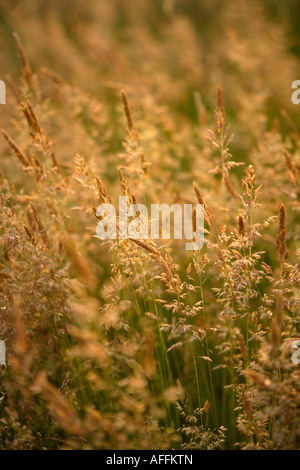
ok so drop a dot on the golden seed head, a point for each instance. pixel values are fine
(220, 111)
(241, 226)
(20, 154)
(102, 193)
(198, 193)
(281, 236)
(194, 220)
(127, 110)
(230, 187)
(220, 102)
(206, 407)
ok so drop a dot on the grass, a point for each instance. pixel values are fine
(131, 344)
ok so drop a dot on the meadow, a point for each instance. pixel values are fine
(141, 344)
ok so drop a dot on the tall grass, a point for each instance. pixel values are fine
(129, 344)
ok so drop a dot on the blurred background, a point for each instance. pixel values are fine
(166, 48)
(168, 55)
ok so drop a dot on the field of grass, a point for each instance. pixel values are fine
(124, 344)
